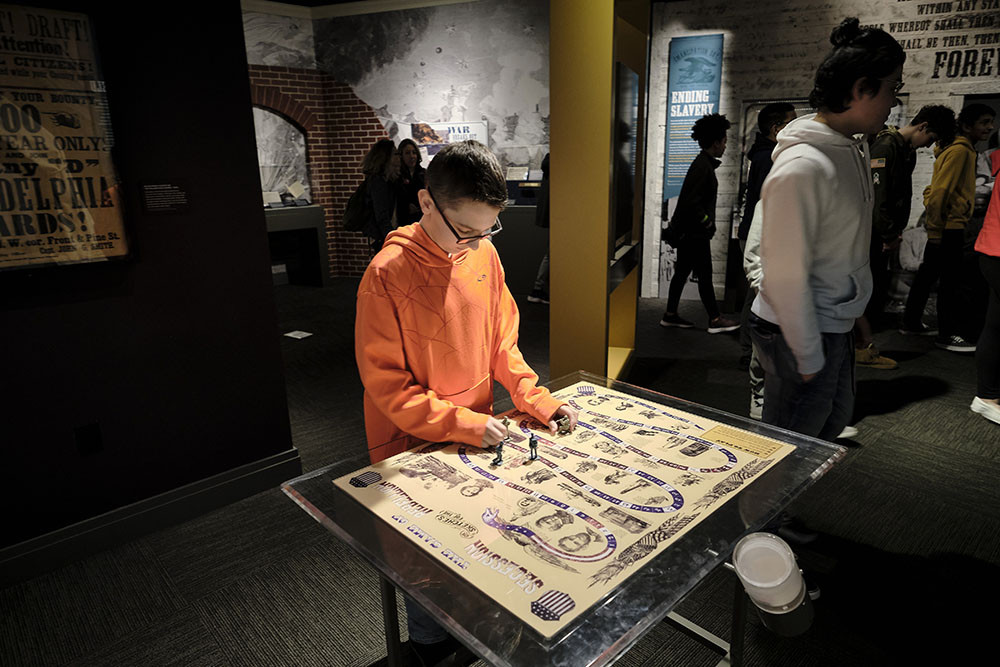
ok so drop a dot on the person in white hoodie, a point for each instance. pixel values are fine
(816, 208)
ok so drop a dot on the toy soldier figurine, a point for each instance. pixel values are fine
(499, 446)
(533, 448)
(498, 461)
(563, 426)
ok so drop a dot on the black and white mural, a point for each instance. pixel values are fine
(477, 61)
(279, 41)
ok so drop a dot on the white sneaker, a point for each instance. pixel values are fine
(848, 433)
(987, 409)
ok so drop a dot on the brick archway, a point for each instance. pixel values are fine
(339, 129)
(274, 100)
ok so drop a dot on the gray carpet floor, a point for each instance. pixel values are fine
(909, 527)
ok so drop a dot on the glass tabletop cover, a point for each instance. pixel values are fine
(564, 549)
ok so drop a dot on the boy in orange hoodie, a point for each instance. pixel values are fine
(436, 325)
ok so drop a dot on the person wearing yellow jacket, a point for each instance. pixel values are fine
(948, 202)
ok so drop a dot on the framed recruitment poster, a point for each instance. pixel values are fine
(59, 200)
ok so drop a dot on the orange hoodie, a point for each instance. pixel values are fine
(432, 333)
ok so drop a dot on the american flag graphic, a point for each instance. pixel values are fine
(552, 605)
(366, 479)
(586, 391)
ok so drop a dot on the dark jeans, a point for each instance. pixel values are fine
(879, 262)
(693, 255)
(821, 407)
(941, 260)
(988, 349)
(421, 626)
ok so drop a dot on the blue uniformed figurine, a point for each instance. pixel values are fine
(498, 461)
(533, 448)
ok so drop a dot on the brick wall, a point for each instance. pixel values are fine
(339, 129)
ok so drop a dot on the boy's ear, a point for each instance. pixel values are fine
(858, 90)
(426, 203)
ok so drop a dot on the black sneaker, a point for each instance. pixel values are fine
(920, 329)
(812, 588)
(431, 655)
(955, 344)
(793, 531)
(722, 324)
(675, 321)
(538, 296)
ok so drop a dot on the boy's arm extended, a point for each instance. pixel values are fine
(413, 408)
(509, 366)
(791, 201)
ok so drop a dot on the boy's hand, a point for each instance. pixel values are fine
(495, 432)
(563, 411)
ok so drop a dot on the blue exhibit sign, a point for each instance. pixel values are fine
(695, 73)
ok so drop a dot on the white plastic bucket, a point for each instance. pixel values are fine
(766, 566)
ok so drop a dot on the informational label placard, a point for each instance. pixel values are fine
(165, 198)
(548, 536)
(59, 199)
(432, 137)
(695, 73)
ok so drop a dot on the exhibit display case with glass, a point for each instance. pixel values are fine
(565, 549)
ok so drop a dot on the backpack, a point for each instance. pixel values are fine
(359, 214)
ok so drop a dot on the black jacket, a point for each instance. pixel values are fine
(893, 160)
(408, 186)
(760, 166)
(694, 216)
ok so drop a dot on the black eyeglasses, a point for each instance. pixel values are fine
(897, 85)
(493, 231)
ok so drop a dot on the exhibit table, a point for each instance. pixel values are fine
(564, 550)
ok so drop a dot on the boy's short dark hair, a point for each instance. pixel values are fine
(773, 114)
(467, 170)
(940, 120)
(869, 54)
(710, 128)
(970, 114)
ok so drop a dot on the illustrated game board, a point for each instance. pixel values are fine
(547, 538)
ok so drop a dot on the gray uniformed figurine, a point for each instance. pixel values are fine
(533, 448)
(498, 461)
(562, 426)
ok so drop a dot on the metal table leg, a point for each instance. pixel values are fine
(393, 647)
(736, 639)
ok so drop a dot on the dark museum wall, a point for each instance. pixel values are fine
(126, 380)
(771, 52)
(475, 61)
